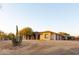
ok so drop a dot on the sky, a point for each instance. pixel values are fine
(56, 17)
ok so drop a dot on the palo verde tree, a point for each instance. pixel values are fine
(27, 31)
(65, 35)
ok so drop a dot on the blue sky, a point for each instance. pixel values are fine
(40, 17)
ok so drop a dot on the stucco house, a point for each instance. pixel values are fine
(34, 36)
(45, 35)
(48, 35)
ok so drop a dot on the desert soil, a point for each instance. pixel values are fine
(37, 47)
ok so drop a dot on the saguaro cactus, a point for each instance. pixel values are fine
(17, 40)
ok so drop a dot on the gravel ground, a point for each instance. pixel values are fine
(37, 47)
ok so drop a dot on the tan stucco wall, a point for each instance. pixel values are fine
(53, 36)
(42, 36)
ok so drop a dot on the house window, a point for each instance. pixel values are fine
(46, 35)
